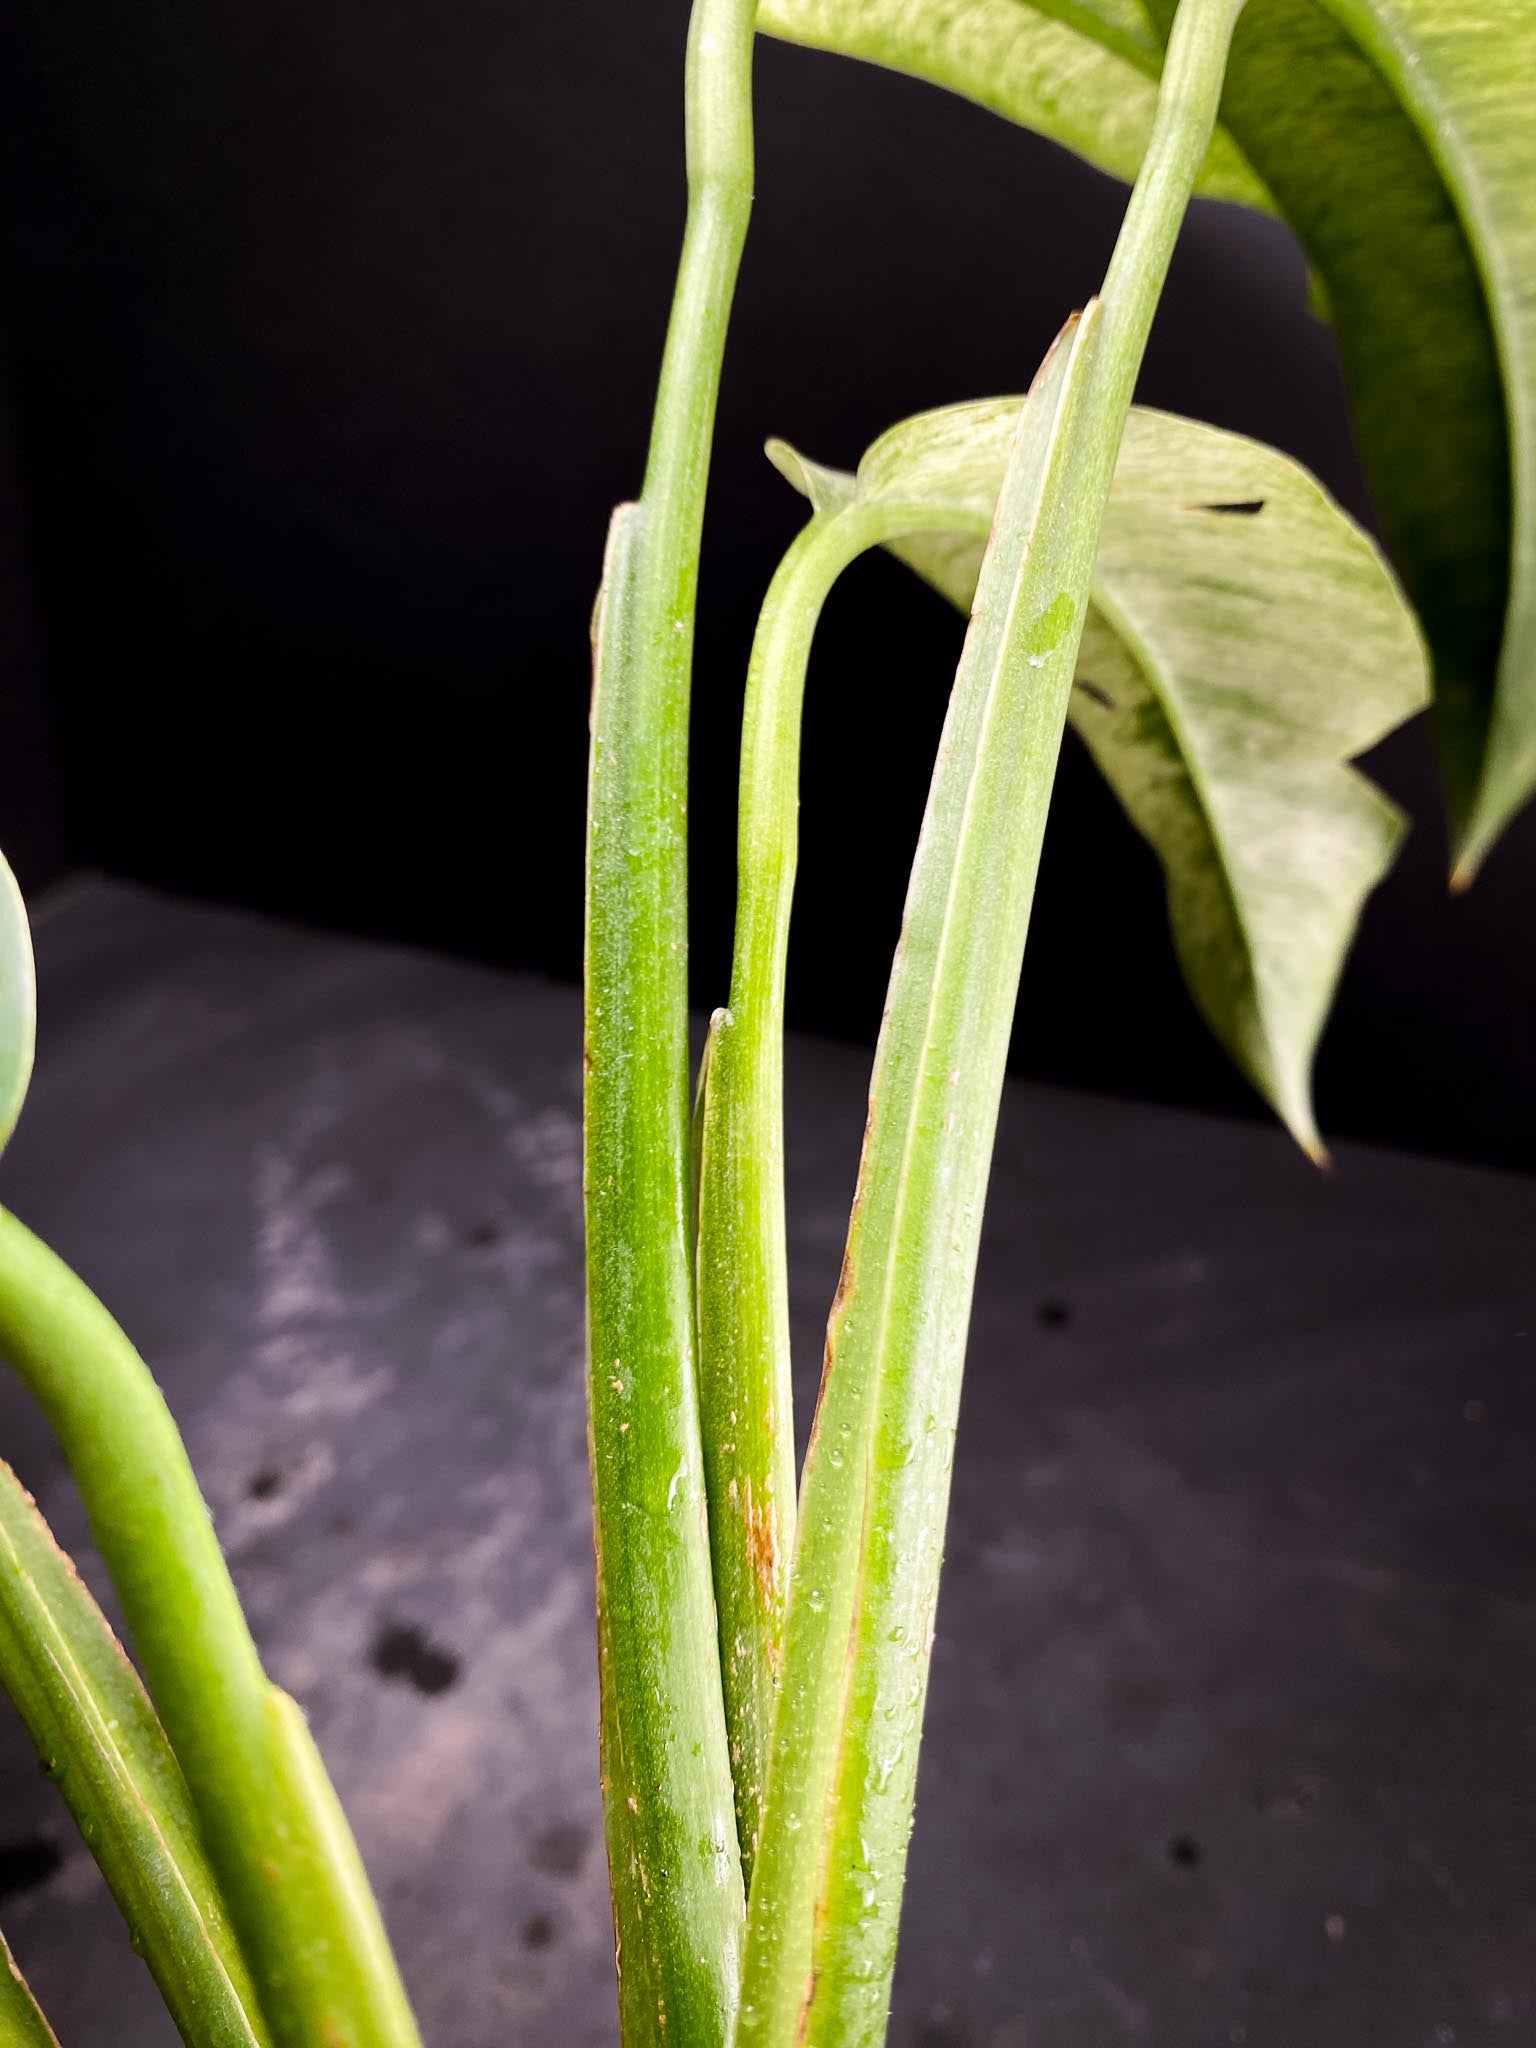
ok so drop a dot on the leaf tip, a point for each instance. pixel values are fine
(787, 461)
(827, 489)
(1294, 1109)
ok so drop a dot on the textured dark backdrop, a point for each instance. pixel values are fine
(331, 328)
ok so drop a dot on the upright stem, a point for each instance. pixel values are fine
(671, 1829)
(827, 1885)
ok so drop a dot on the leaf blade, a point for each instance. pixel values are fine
(1396, 138)
(1465, 80)
(1084, 76)
(18, 1003)
(1214, 636)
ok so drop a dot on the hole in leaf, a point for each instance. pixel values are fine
(1238, 508)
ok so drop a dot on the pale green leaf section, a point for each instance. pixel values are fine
(97, 1735)
(1466, 72)
(1086, 79)
(1397, 139)
(18, 1003)
(21, 2020)
(1233, 663)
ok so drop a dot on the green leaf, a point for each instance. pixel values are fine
(1396, 138)
(1084, 75)
(18, 1003)
(1227, 592)
(21, 2020)
(99, 1739)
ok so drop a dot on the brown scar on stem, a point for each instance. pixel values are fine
(762, 1548)
(803, 2023)
(844, 1281)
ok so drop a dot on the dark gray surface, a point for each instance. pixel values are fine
(1231, 1736)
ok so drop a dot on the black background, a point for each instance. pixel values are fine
(331, 330)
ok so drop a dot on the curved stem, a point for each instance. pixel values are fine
(743, 1290)
(671, 1836)
(306, 1919)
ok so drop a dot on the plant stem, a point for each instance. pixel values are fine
(743, 1289)
(826, 1894)
(671, 1835)
(21, 2019)
(300, 1903)
(99, 1738)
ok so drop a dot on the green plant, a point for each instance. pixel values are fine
(1188, 601)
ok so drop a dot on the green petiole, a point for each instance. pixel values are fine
(672, 1846)
(826, 1893)
(743, 1297)
(306, 1919)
